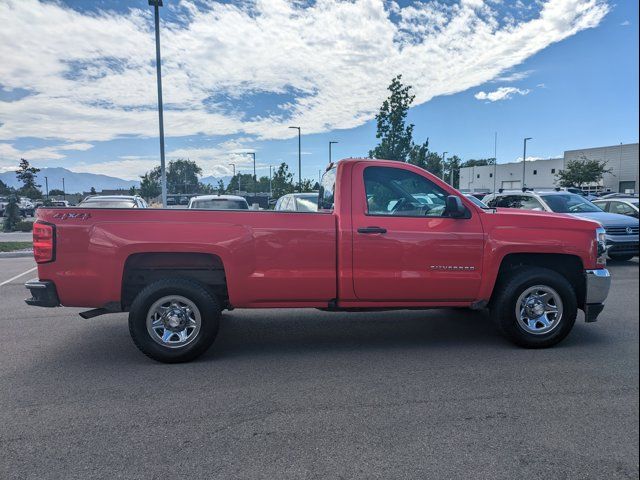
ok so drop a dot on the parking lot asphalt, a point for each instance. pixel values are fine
(309, 394)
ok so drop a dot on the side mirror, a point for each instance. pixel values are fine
(455, 208)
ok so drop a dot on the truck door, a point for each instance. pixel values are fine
(405, 247)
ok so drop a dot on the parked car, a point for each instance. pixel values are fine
(621, 206)
(113, 201)
(171, 201)
(27, 207)
(622, 231)
(218, 202)
(184, 200)
(175, 271)
(298, 202)
(619, 195)
(59, 203)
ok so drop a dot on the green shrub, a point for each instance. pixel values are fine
(24, 226)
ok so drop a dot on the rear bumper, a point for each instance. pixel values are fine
(598, 283)
(43, 294)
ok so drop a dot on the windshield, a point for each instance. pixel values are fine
(220, 204)
(108, 204)
(569, 203)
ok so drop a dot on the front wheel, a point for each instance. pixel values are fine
(174, 320)
(535, 307)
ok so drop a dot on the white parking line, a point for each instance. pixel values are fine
(17, 276)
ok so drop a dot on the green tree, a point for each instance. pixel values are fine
(56, 192)
(205, 189)
(92, 191)
(453, 165)
(132, 190)
(480, 162)
(579, 172)
(27, 175)
(182, 176)
(282, 181)
(150, 184)
(11, 214)
(395, 137)
(307, 185)
(220, 187)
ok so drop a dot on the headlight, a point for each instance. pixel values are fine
(601, 245)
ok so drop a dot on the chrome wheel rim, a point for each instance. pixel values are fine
(174, 321)
(539, 309)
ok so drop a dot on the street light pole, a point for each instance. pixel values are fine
(299, 157)
(270, 177)
(443, 160)
(330, 144)
(495, 160)
(64, 190)
(524, 162)
(163, 171)
(46, 186)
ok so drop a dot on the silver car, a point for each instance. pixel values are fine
(622, 231)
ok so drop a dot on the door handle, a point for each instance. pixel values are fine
(372, 230)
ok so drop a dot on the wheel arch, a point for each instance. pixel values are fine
(142, 269)
(569, 266)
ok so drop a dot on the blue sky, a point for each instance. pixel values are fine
(78, 89)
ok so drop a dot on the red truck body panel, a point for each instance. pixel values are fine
(295, 259)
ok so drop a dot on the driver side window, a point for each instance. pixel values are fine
(394, 191)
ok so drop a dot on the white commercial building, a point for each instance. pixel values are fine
(541, 174)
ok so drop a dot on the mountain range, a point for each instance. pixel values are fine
(78, 182)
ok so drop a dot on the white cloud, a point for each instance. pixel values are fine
(10, 156)
(626, 23)
(502, 93)
(513, 76)
(92, 76)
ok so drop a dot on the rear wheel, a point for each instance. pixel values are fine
(174, 320)
(620, 257)
(535, 307)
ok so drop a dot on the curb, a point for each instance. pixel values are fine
(18, 254)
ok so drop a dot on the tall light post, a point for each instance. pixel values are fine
(495, 160)
(270, 177)
(330, 144)
(64, 190)
(46, 186)
(163, 171)
(299, 157)
(443, 160)
(524, 162)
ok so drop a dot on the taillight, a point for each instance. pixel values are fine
(44, 237)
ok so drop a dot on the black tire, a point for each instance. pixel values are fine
(208, 308)
(621, 257)
(503, 306)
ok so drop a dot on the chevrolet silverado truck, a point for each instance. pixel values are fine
(387, 235)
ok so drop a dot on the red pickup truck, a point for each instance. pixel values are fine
(387, 235)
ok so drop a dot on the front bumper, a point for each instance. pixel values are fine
(598, 283)
(622, 244)
(43, 294)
